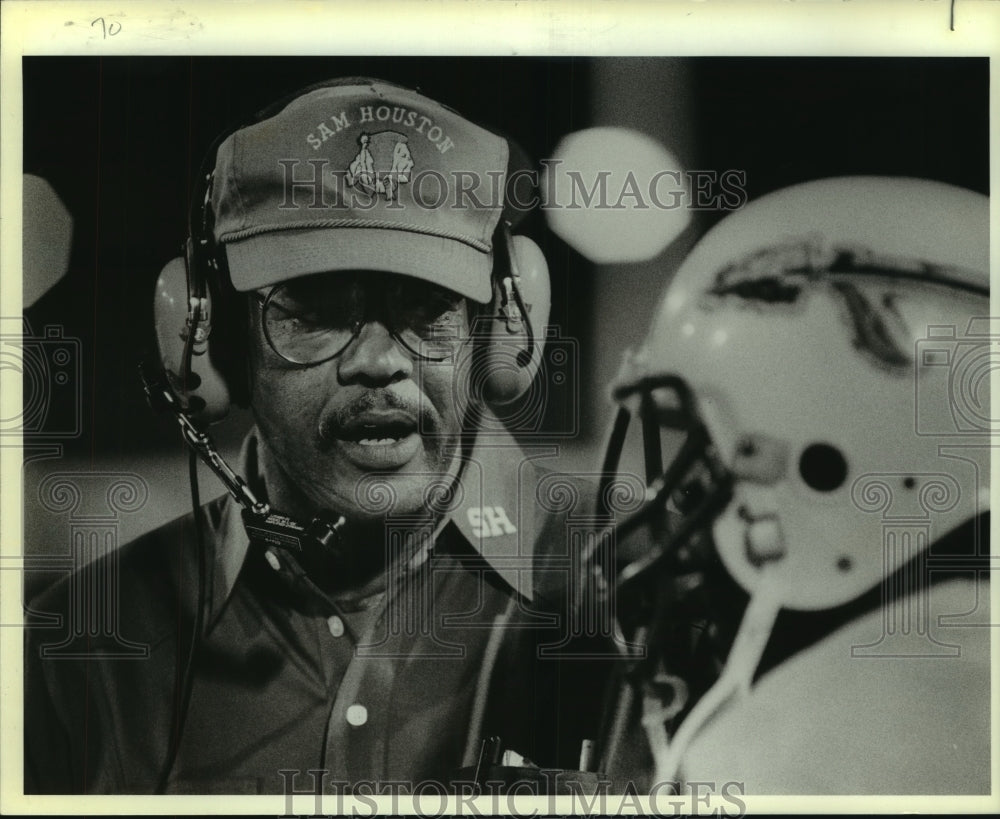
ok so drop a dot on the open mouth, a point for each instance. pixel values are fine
(380, 439)
(379, 434)
(378, 428)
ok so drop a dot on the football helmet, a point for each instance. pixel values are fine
(819, 366)
(817, 348)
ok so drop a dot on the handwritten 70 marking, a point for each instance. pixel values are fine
(108, 29)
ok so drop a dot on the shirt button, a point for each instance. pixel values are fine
(336, 626)
(357, 714)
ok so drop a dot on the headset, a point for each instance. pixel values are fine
(201, 325)
(199, 334)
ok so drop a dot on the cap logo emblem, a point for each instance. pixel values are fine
(382, 164)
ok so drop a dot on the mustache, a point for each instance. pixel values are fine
(334, 424)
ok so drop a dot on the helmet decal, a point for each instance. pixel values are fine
(877, 327)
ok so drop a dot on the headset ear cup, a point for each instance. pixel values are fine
(205, 395)
(514, 350)
(230, 333)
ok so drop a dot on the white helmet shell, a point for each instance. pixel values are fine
(835, 338)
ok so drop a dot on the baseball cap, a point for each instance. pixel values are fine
(360, 175)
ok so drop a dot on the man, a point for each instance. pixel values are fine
(337, 273)
(815, 596)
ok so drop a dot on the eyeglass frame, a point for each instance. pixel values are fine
(264, 302)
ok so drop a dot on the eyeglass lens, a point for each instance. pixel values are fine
(315, 318)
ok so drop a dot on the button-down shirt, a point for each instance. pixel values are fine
(399, 687)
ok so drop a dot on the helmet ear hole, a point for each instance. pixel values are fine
(823, 467)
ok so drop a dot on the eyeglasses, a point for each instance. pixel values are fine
(315, 318)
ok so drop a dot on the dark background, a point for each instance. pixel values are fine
(120, 140)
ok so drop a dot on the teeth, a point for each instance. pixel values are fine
(377, 441)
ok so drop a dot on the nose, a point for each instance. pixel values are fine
(374, 358)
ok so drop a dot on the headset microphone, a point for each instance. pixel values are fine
(260, 521)
(261, 524)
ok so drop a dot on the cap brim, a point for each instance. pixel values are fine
(269, 258)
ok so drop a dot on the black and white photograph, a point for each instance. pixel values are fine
(410, 433)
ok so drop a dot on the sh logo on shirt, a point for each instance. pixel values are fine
(490, 521)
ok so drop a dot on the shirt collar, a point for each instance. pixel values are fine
(493, 509)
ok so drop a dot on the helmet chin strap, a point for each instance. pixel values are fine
(737, 675)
